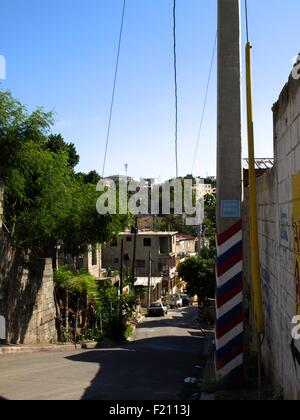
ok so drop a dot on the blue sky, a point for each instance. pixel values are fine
(61, 54)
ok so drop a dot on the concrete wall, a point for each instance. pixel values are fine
(276, 214)
(26, 297)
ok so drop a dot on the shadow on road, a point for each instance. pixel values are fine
(180, 319)
(149, 369)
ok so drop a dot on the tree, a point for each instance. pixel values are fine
(199, 274)
(83, 225)
(44, 201)
(210, 201)
(35, 180)
(90, 178)
(57, 144)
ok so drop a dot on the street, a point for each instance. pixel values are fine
(153, 367)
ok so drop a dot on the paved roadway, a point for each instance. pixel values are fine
(153, 367)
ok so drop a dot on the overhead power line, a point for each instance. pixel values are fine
(176, 87)
(114, 88)
(205, 101)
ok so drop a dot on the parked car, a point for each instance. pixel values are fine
(158, 309)
(186, 300)
(175, 302)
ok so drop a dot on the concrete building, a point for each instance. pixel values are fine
(185, 245)
(161, 245)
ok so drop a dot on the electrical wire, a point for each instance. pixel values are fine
(114, 88)
(205, 100)
(175, 86)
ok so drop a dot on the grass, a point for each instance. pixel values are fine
(129, 331)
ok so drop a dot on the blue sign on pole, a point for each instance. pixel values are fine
(230, 208)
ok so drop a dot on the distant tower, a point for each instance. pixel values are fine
(229, 325)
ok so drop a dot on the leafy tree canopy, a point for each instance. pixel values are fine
(56, 144)
(45, 202)
(199, 274)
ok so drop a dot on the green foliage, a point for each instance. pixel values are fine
(116, 311)
(79, 283)
(57, 144)
(199, 274)
(44, 201)
(128, 332)
(90, 178)
(210, 201)
(95, 300)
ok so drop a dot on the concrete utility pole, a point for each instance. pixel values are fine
(229, 153)
(229, 324)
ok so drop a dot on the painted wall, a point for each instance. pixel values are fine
(278, 194)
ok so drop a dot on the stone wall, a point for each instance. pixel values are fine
(26, 297)
(278, 204)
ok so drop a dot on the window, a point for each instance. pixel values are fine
(147, 242)
(129, 239)
(116, 260)
(140, 263)
(163, 245)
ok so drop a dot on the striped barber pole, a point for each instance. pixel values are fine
(229, 302)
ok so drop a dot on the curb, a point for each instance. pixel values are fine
(209, 380)
(8, 350)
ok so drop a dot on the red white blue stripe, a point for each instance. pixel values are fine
(229, 302)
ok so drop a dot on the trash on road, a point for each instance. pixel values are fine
(191, 381)
(196, 396)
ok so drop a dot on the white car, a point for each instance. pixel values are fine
(176, 301)
(158, 309)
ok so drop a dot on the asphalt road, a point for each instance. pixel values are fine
(153, 367)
